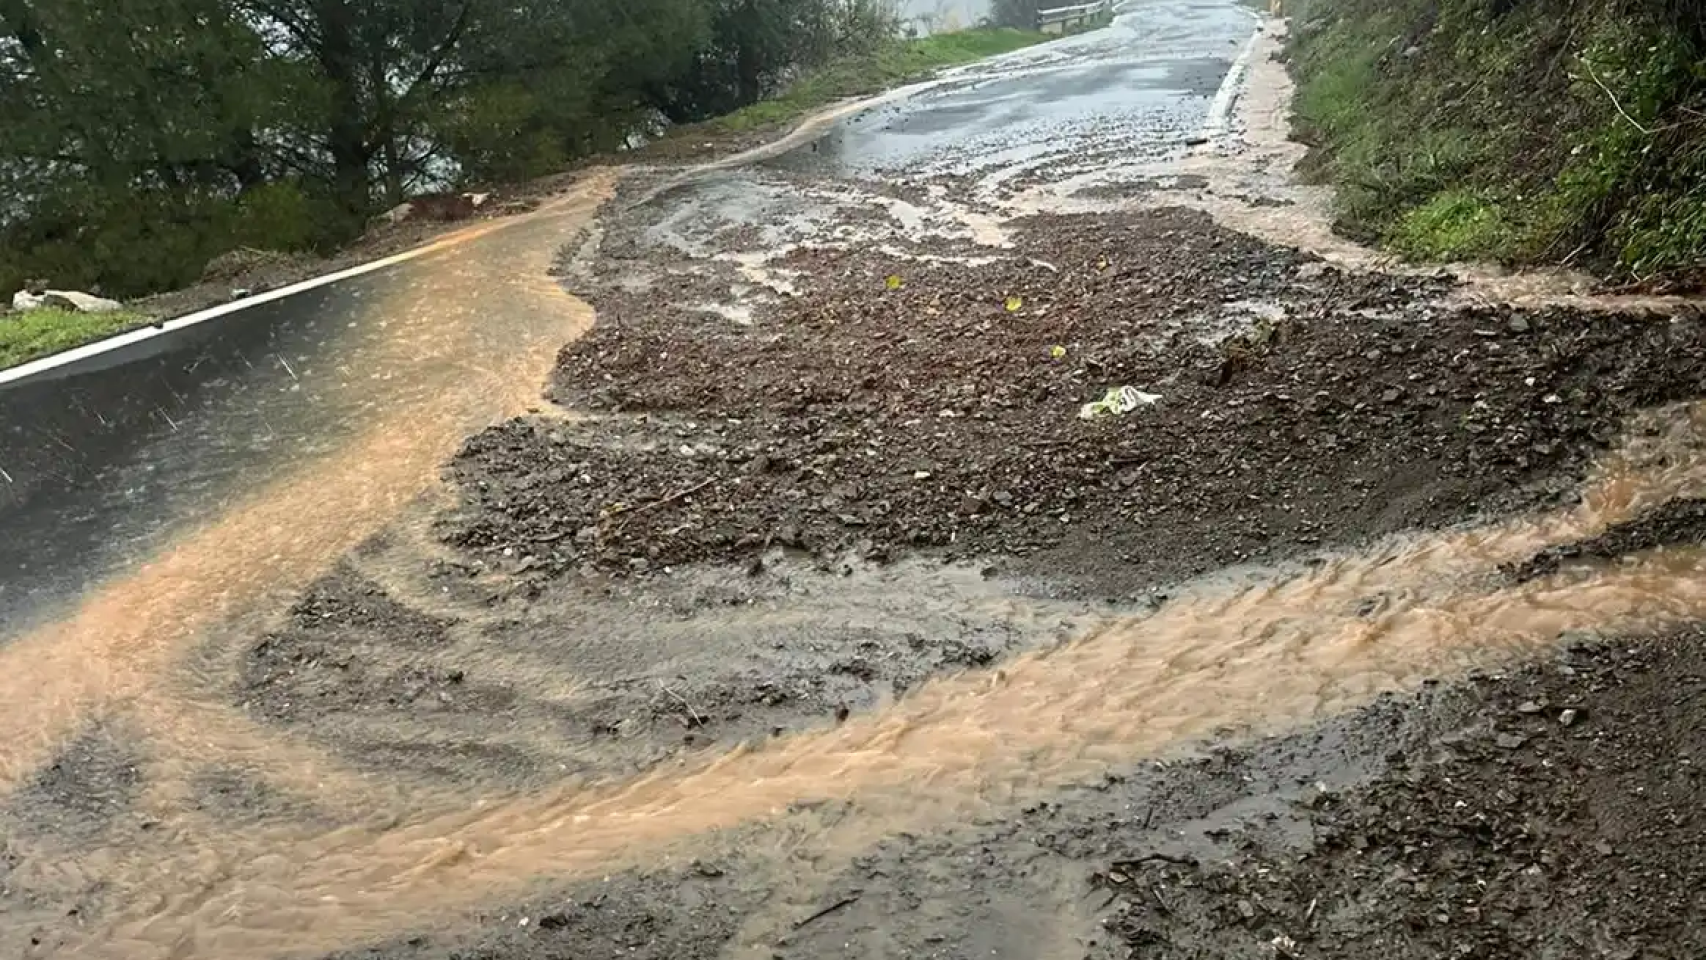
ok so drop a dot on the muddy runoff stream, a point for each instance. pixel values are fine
(1255, 650)
(472, 340)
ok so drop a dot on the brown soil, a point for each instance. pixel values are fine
(874, 421)
(1461, 820)
(492, 687)
(1677, 523)
(1564, 821)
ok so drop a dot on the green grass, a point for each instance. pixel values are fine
(1453, 225)
(1544, 133)
(38, 333)
(860, 75)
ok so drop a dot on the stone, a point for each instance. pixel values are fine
(77, 302)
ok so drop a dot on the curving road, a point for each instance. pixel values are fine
(154, 494)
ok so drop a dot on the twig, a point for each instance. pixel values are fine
(1632, 121)
(692, 714)
(677, 495)
(826, 911)
(1164, 858)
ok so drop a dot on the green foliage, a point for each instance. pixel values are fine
(1452, 225)
(892, 63)
(143, 137)
(1523, 130)
(38, 333)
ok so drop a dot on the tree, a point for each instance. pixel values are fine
(143, 137)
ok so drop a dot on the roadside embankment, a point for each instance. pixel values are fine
(1527, 131)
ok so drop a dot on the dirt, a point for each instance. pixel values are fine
(1417, 827)
(1563, 821)
(1300, 407)
(1677, 523)
(491, 687)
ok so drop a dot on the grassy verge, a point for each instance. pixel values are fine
(890, 65)
(37, 333)
(1528, 131)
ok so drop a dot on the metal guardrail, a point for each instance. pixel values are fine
(1060, 18)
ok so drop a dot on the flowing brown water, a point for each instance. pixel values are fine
(470, 342)
(1276, 651)
(466, 343)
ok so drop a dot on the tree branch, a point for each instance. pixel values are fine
(1632, 121)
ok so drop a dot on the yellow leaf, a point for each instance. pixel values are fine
(894, 282)
(1013, 304)
(1102, 264)
(1057, 351)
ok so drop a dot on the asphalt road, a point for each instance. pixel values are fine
(105, 459)
(104, 456)
(154, 495)
(1142, 86)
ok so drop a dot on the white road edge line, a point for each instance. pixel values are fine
(804, 130)
(98, 347)
(1218, 123)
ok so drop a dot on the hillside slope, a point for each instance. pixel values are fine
(1528, 131)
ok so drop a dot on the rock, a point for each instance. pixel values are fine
(1510, 741)
(25, 300)
(1569, 716)
(396, 214)
(1518, 325)
(77, 302)
(1528, 707)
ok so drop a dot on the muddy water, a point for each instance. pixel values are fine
(1256, 652)
(465, 342)
(472, 341)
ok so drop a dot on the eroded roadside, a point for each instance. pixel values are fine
(814, 620)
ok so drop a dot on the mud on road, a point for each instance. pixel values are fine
(814, 502)
(1548, 811)
(925, 396)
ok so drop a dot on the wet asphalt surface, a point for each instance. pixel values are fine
(1144, 84)
(105, 457)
